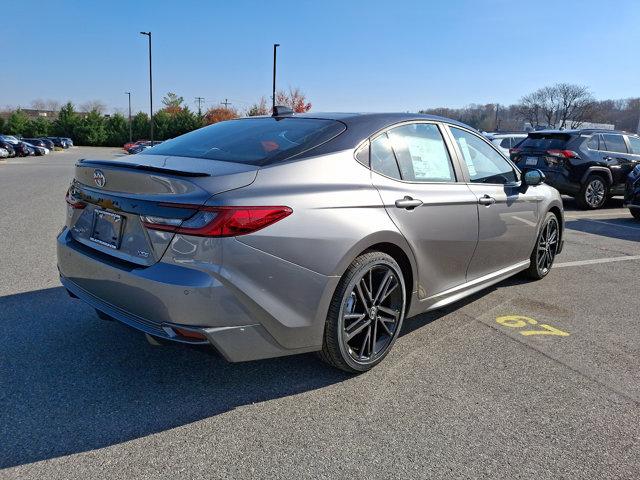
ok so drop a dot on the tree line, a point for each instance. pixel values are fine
(561, 105)
(92, 127)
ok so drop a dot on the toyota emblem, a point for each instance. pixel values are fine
(99, 178)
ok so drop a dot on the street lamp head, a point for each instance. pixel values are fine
(276, 44)
(146, 33)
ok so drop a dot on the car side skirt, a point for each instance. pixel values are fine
(459, 292)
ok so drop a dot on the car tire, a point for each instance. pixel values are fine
(635, 212)
(594, 193)
(546, 247)
(366, 313)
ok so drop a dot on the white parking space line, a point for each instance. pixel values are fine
(586, 216)
(596, 260)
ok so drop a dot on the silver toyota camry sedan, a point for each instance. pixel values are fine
(271, 236)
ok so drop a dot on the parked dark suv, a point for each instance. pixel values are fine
(590, 165)
(632, 195)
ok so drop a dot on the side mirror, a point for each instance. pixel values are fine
(532, 178)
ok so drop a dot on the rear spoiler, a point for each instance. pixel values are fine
(135, 166)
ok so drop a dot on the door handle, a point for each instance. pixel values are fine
(408, 203)
(486, 200)
(606, 159)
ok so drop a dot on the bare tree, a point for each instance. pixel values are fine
(93, 106)
(575, 103)
(52, 105)
(559, 106)
(39, 104)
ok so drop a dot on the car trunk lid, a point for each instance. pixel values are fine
(108, 197)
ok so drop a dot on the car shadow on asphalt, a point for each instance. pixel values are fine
(73, 383)
(615, 227)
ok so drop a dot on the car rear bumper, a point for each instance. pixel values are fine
(254, 306)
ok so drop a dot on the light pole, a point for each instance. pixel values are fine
(273, 96)
(130, 136)
(148, 34)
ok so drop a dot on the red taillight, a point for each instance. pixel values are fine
(218, 221)
(513, 151)
(562, 153)
(73, 202)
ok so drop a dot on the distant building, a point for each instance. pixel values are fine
(34, 113)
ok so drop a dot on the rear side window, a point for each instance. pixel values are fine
(421, 153)
(614, 143)
(634, 142)
(594, 142)
(546, 141)
(382, 159)
(516, 141)
(506, 142)
(254, 141)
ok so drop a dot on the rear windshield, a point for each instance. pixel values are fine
(545, 141)
(255, 141)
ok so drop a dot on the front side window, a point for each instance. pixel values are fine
(422, 154)
(382, 159)
(614, 143)
(634, 142)
(485, 165)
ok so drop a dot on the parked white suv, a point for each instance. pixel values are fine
(505, 141)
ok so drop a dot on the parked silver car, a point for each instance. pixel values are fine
(272, 236)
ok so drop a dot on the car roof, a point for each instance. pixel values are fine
(361, 126)
(383, 119)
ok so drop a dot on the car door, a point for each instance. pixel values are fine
(508, 216)
(418, 182)
(633, 143)
(616, 156)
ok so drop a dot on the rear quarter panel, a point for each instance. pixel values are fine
(337, 213)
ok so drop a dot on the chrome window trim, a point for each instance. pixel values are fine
(439, 125)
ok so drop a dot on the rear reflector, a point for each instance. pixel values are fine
(218, 221)
(190, 333)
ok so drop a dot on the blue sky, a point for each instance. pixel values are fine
(346, 55)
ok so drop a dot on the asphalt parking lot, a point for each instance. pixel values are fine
(524, 380)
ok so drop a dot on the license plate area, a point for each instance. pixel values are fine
(107, 229)
(531, 161)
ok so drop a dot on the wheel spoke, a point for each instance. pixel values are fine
(383, 285)
(365, 343)
(374, 337)
(367, 290)
(356, 316)
(355, 330)
(384, 325)
(389, 311)
(541, 261)
(389, 290)
(361, 296)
